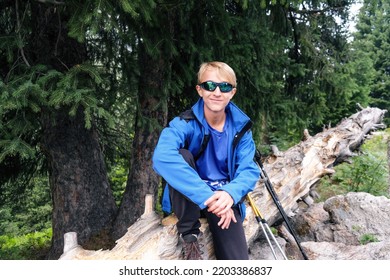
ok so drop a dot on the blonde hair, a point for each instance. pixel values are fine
(223, 69)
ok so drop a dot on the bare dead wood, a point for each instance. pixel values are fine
(293, 173)
(388, 162)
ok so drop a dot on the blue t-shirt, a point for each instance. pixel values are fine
(212, 164)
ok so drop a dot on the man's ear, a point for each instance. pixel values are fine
(199, 90)
(233, 92)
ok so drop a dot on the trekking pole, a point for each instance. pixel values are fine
(264, 226)
(276, 200)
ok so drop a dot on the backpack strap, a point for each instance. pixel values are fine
(189, 115)
(240, 134)
(203, 146)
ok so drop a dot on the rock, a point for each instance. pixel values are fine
(340, 251)
(357, 214)
(339, 228)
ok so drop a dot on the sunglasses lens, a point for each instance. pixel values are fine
(225, 87)
(210, 86)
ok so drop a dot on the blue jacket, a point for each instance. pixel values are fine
(190, 134)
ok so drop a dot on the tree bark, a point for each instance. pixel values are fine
(142, 179)
(155, 68)
(293, 174)
(81, 196)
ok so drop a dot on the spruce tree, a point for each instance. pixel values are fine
(48, 109)
(373, 38)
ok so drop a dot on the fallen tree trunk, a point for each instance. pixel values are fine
(293, 173)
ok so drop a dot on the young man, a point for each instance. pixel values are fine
(206, 156)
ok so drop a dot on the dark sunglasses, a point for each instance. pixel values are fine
(211, 86)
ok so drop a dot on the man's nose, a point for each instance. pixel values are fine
(217, 91)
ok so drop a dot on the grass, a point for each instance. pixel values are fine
(367, 238)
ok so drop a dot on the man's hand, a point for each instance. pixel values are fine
(226, 218)
(219, 203)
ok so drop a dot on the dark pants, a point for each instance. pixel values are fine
(229, 244)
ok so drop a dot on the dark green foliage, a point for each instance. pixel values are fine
(26, 211)
(373, 39)
(23, 100)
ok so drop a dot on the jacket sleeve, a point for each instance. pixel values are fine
(246, 172)
(169, 164)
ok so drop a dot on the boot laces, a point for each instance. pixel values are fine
(192, 250)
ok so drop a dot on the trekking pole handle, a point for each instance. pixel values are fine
(254, 207)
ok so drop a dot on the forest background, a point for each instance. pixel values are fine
(87, 86)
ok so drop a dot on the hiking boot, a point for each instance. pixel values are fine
(191, 247)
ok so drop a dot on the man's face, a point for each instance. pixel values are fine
(214, 101)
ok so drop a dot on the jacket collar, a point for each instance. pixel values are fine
(238, 117)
